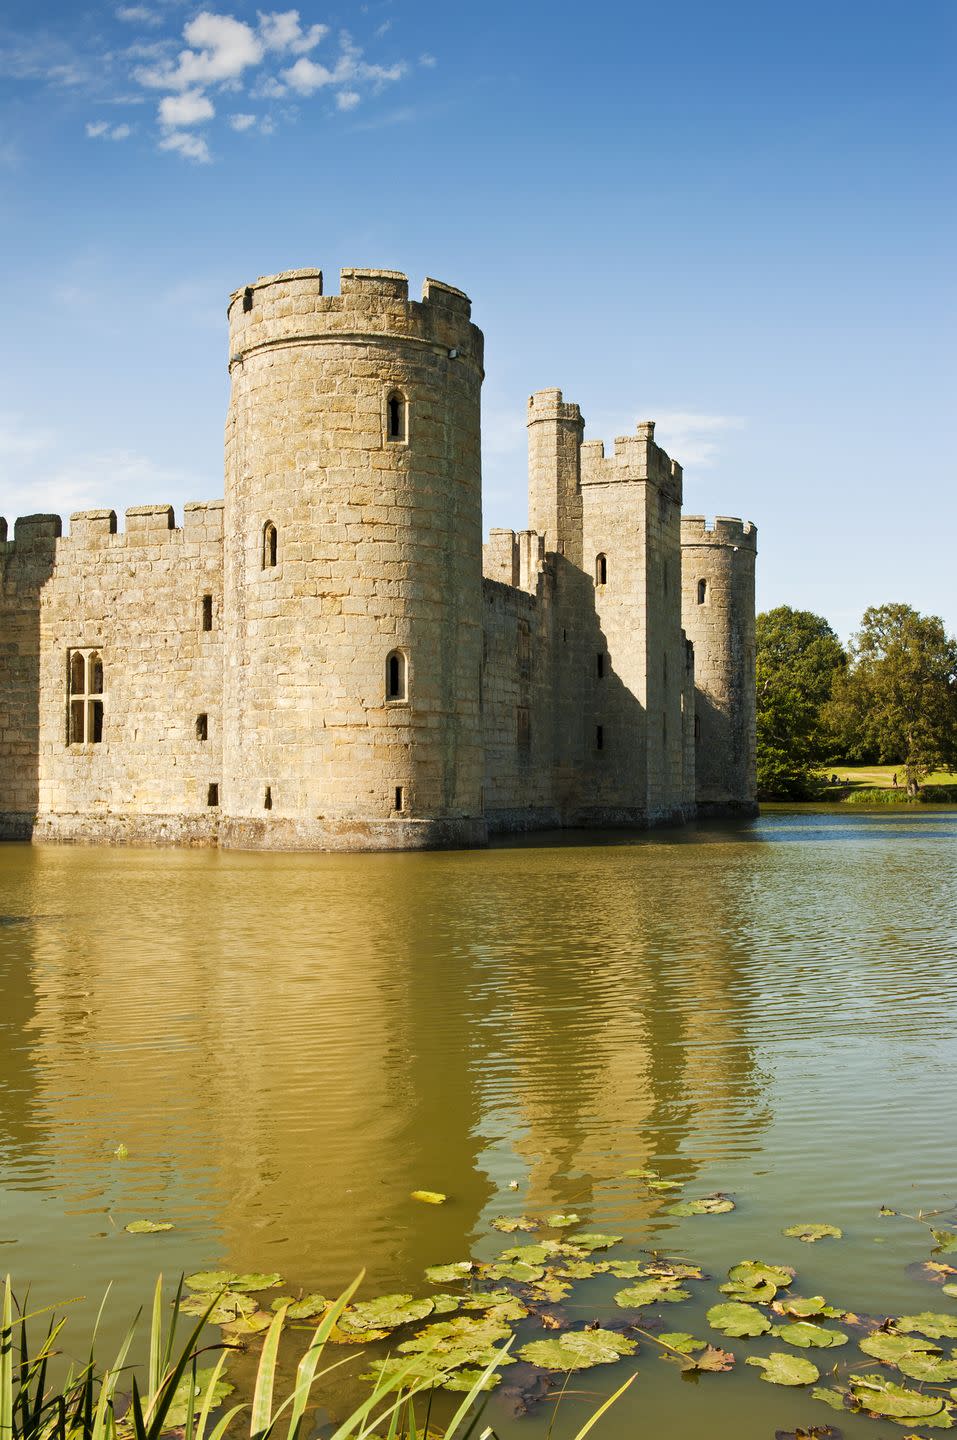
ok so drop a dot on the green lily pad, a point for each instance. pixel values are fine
(807, 1336)
(641, 1174)
(932, 1369)
(675, 1268)
(591, 1241)
(578, 1350)
(229, 1306)
(665, 1184)
(550, 1289)
(834, 1398)
(896, 1402)
(750, 1273)
(449, 1274)
(147, 1227)
(246, 1325)
(308, 1308)
(681, 1340)
(761, 1293)
(508, 1224)
(889, 1348)
(930, 1323)
(469, 1339)
(734, 1318)
(805, 1307)
(230, 1280)
(467, 1379)
(583, 1269)
(445, 1304)
(520, 1271)
(950, 1289)
(710, 1205)
(528, 1254)
(385, 1313)
(780, 1369)
(502, 1303)
(561, 1222)
(190, 1393)
(946, 1242)
(810, 1233)
(651, 1292)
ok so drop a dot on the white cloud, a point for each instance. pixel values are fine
(242, 122)
(103, 130)
(189, 108)
(693, 438)
(268, 88)
(428, 61)
(282, 30)
(138, 15)
(193, 147)
(348, 99)
(306, 77)
(222, 47)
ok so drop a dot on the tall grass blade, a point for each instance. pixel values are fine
(474, 1393)
(207, 1404)
(306, 1372)
(154, 1373)
(606, 1405)
(261, 1420)
(6, 1363)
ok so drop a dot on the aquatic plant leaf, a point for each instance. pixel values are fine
(189, 1389)
(510, 1223)
(681, 1340)
(429, 1197)
(710, 1205)
(811, 1432)
(519, 1271)
(228, 1307)
(665, 1184)
(950, 1289)
(448, 1274)
(810, 1233)
(550, 1289)
(583, 1269)
(468, 1337)
(503, 1304)
(804, 1307)
(946, 1242)
(210, 1280)
(651, 1292)
(641, 1174)
(578, 1350)
(834, 1398)
(121, 1151)
(560, 1222)
(734, 1318)
(749, 1273)
(712, 1359)
(307, 1308)
(527, 1254)
(445, 1304)
(675, 1268)
(385, 1313)
(807, 1336)
(147, 1227)
(762, 1293)
(928, 1323)
(889, 1348)
(884, 1397)
(338, 1336)
(466, 1379)
(591, 1241)
(932, 1369)
(780, 1369)
(253, 1324)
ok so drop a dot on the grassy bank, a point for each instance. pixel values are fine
(874, 785)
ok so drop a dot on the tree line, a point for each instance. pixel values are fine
(890, 698)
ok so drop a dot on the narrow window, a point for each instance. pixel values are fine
(85, 671)
(267, 798)
(396, 676)
(702, 591)
(247, 299)
(202, 727)
(664, 732)
(564, 637)
(212, 793)
(665, 578)
(207, 612)
(599, 737)
(270, 554)
(396, 417)
(399, 798)
(600, 663)
(523, 729)
(697, 727)
(601, 570)
(524, 648)
(664, 669)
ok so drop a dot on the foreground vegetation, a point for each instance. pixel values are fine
(889, 700)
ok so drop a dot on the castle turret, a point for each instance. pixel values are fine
(353, 595)
(555, 430)
(717, 567)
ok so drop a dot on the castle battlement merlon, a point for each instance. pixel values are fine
(636, 458)
(32, 530)
(372, 305)
(727, 530)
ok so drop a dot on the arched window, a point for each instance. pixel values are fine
(702, 591)
(601, 570)
(270, 555)
(396, 676)
(86, 697)
(396, 417)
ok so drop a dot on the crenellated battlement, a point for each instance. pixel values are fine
(726, 530)
(372, 306)
(549, 405)
(636, 457)
(97, 529)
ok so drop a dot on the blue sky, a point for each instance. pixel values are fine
(736, 219)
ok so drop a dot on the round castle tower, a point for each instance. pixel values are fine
(717, 612)
(353, 586)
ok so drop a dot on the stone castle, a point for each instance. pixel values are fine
(330, 658)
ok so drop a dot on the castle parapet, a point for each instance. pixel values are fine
(549, 405)
(636, 457)
(291, 308)
(726, 530)
(203, 520)
(145, 523)
(92, 527)
(37, 529)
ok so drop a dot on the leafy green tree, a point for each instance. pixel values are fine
(898, 698)
(798, 657)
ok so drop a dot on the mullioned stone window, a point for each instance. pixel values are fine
(86, 697)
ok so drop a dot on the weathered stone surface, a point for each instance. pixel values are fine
(246, 673)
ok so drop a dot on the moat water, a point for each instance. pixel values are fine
(288, 1045)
